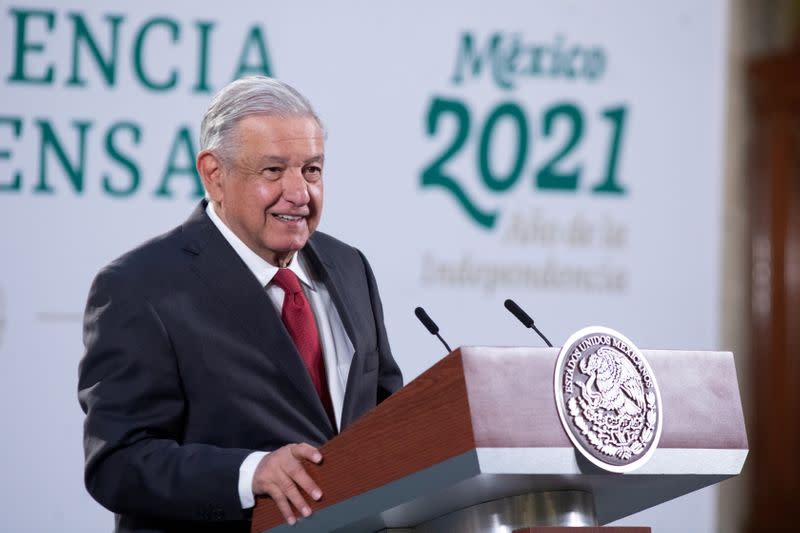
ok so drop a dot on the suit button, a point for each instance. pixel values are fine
(205, 513)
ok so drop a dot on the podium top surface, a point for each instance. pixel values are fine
(699, 391)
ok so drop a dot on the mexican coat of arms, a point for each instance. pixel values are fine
(608, 399)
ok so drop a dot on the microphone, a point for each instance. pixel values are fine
(523, 317)
(430, 325)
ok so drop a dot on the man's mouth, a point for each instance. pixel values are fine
(287, 218)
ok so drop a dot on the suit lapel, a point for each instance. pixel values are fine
(238, 290)
(331, 277)
(330, 274)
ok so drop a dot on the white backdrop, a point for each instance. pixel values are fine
(526, 108)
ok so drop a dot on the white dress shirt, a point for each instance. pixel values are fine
(337, 349)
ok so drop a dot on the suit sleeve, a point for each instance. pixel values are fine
(390, 378)
(129, 387)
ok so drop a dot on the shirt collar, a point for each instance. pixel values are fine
(261, 269)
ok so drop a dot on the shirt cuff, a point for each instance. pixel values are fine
(246, 473)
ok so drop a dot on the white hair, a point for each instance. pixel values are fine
(249, 96)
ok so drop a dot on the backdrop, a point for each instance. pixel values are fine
(566, 154)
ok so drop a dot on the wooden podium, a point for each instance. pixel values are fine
(476, 440)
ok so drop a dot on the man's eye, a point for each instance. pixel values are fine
(313, 172)
(272, 172)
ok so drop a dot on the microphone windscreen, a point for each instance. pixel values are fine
(426, 320)
(521, 315)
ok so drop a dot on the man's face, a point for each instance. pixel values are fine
(270, 192)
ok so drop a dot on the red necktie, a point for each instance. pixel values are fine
(299, 321)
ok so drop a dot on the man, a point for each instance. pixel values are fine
(238, 333)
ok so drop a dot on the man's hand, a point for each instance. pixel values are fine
(281, 475)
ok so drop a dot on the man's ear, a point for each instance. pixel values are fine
(209, 167)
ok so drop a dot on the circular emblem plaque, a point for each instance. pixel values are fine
(608, 399)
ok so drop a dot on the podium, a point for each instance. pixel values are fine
(475, 444)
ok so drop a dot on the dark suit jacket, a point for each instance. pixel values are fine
(188, 369)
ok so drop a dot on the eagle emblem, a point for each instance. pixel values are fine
(608, 399)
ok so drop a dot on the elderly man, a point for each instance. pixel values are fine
(219, 354)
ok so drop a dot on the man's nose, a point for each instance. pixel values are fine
(295, 187)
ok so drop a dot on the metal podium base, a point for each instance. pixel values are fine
(558, 508)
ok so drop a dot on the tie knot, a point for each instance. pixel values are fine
(287, 280)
